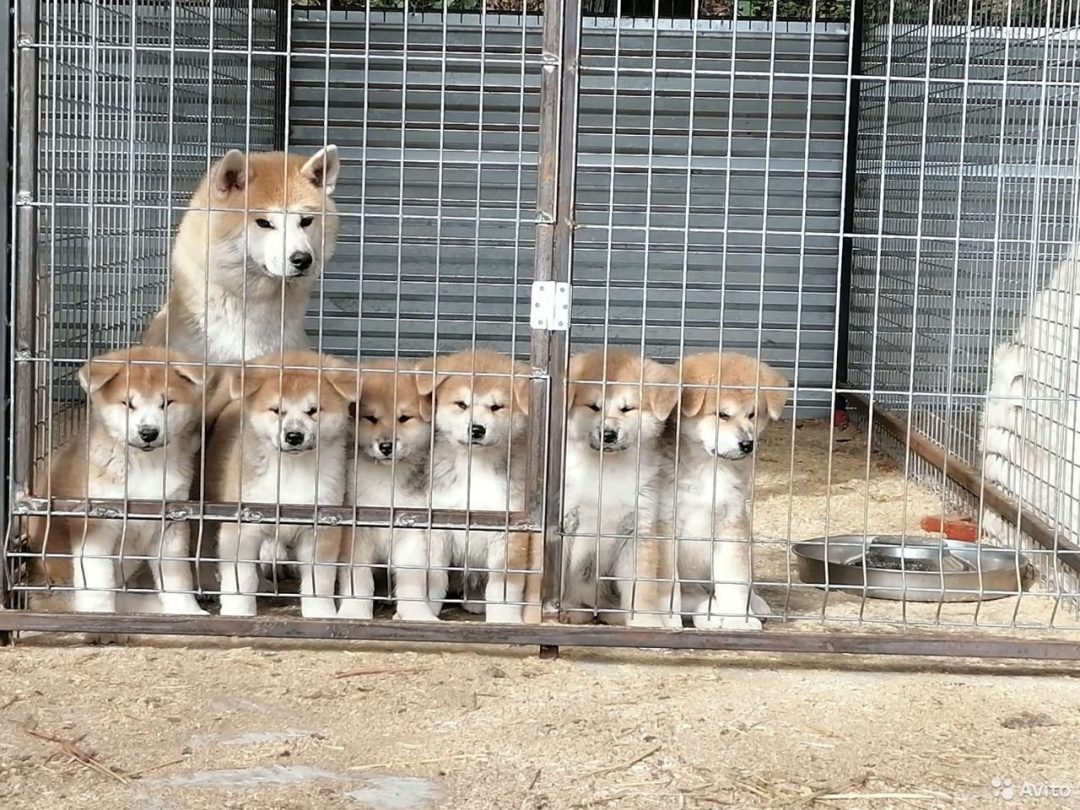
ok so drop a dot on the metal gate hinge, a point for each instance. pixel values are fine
(549, 307)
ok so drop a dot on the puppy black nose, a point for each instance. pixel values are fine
(300, 260)
(746, 447)
(149, 434)
(479, 431)
(294, 438)
(610, 436)
(386, 448)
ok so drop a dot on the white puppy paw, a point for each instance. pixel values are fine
(358, 609)
(415, 612)
(317, 607)
(702, 622)
(182, 607)
(503, 614)
(237, 605)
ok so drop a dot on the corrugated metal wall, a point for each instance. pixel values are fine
(132, 106)
(127, 128)
(708, 203)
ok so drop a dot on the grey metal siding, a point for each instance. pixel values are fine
(747, 255)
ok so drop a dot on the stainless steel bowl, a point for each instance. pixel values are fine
(912, 569)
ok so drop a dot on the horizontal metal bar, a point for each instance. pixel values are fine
(908, 643)
(275, 513)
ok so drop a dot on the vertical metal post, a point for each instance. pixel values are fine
(554, 247)
(19, 350)
(6, 222)
(855, 43)
(25, 278)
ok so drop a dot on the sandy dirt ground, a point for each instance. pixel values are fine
(166, 724)
(209, 724)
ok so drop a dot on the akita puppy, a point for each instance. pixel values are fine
(257, 233)
(392, 442)
(617, 563)
(478, 460)
(137, 441)
(723, 413)
(282, 439)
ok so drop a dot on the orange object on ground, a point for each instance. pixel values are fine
(954, 528)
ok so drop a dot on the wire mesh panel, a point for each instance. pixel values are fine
(437, 117)
(708, 197)
(965, 205)
(133, 106)
(544, 315)
(211, 424)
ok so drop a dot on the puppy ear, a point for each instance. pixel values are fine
(229, 174)
(346, 382)
(192, 373)
(661, 399)
(427, 380)
(774, 400)
(575, 370)
(252, 382)
(423, 398)
(322, 169)
(522, 384)
(692, 398)
(96, 373)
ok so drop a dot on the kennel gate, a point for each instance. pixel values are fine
(576, 193)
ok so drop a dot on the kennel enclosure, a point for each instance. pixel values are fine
(867, 199)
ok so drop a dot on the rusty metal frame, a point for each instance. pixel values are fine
(550, 636)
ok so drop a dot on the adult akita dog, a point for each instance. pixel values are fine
(255, 237)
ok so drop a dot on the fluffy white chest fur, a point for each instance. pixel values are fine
(378, 485)
(159, 474)
(250, 328)
(709, 492)
(304, 478)
(479, 482)
(384, 485)
(460, 479)
(117, 471)
(710, 495)
(606, 502)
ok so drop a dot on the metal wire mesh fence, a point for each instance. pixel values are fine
(551, 316)
(965, 205)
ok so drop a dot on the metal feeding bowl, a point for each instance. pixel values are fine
(912, 569)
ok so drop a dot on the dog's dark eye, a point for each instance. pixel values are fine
(306, 221)
(275, 410)
(128, 405)
(461, 404)
(372, 419)
(751, 415)
(265, 223)
(168, 402)
(627, 409)
(594, 407)
(724, 416)
(404, 418)
(496, 408)
(312, 411)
